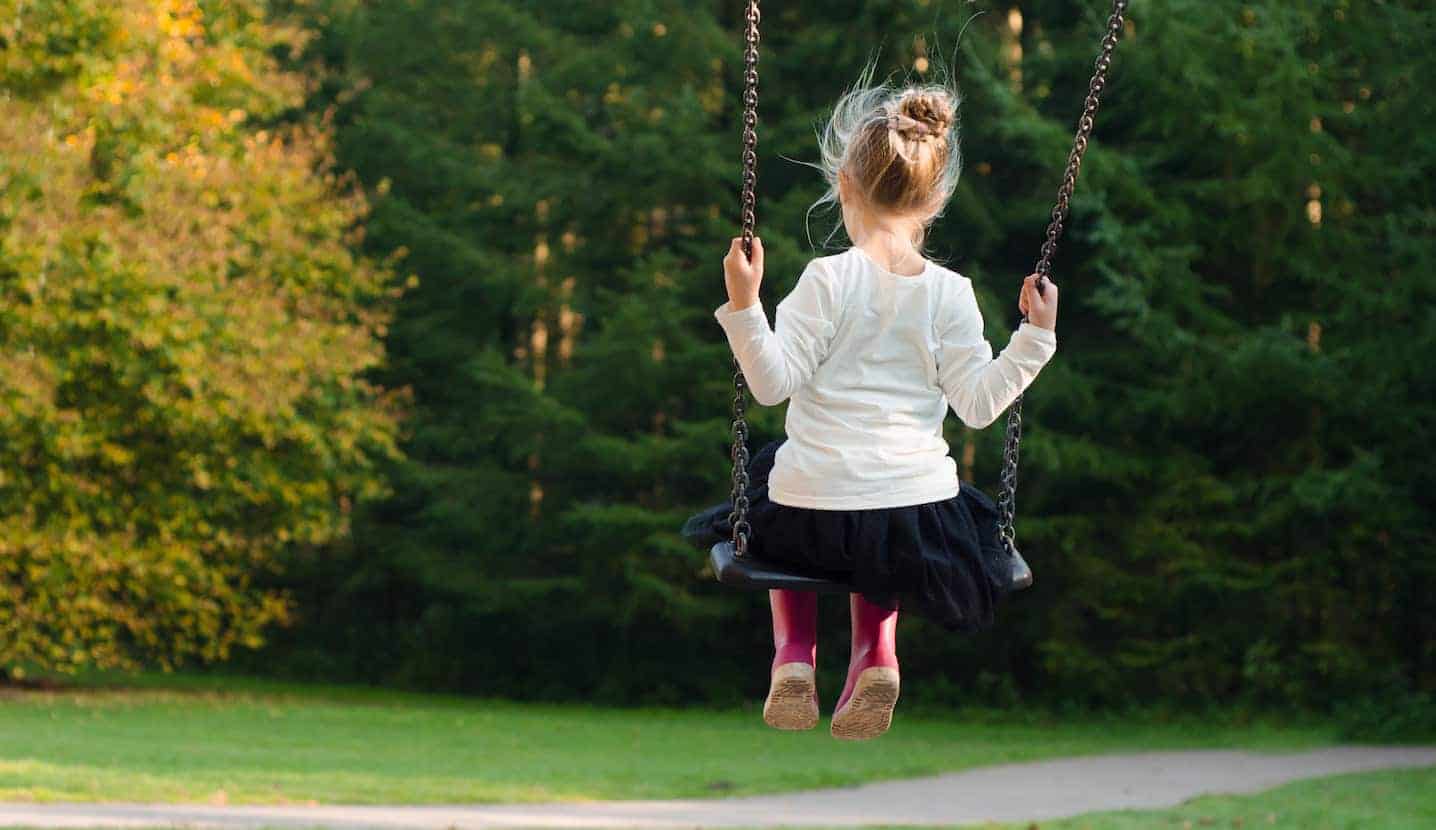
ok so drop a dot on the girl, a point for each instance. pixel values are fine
(871, 348)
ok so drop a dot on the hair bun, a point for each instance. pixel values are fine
(893, 148)
(923, 113)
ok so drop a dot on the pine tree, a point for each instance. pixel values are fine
(554, 175)
(1214, 483)
(1223, 490)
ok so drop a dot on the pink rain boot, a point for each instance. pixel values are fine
(793, 691)
(865, 709)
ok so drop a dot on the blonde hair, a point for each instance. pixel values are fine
(897, 145)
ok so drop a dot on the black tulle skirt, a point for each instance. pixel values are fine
(940, 560)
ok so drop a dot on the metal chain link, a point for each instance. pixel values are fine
(1007, 497)
(739, 515)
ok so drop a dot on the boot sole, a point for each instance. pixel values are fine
(869, 712)
(792, 701)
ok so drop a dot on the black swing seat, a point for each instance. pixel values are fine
(753, 573)
(747, 572)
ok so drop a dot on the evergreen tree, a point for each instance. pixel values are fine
(555, 174)
(1226, 478)
(1223, 490)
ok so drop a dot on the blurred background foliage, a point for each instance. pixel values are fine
(185, 326)
(1226, 493)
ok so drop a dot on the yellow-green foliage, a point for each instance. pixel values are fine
(183, 329)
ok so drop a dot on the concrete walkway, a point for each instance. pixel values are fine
(1013, 793)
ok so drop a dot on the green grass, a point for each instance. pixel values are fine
(1399, 800)
(1396, 800)
(191, 739)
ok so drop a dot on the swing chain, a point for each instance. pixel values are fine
(1079, 142)
(739, 516)
(1007, 497)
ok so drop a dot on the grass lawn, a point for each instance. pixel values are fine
(207, 739)
(1398, 800)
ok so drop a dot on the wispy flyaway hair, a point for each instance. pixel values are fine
(897, 144)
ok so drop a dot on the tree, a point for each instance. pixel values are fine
(1231, 496)
(543, 166)
(184, 333)
(1224, 491)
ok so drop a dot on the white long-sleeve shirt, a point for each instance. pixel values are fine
(871, 361)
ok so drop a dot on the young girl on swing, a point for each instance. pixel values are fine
(871, 348)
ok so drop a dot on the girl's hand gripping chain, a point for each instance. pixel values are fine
(1040, 308)
(742, 276)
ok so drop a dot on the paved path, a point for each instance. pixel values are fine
(1016, 792)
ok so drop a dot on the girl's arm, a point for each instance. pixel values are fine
(777, 363)
(977, 386)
